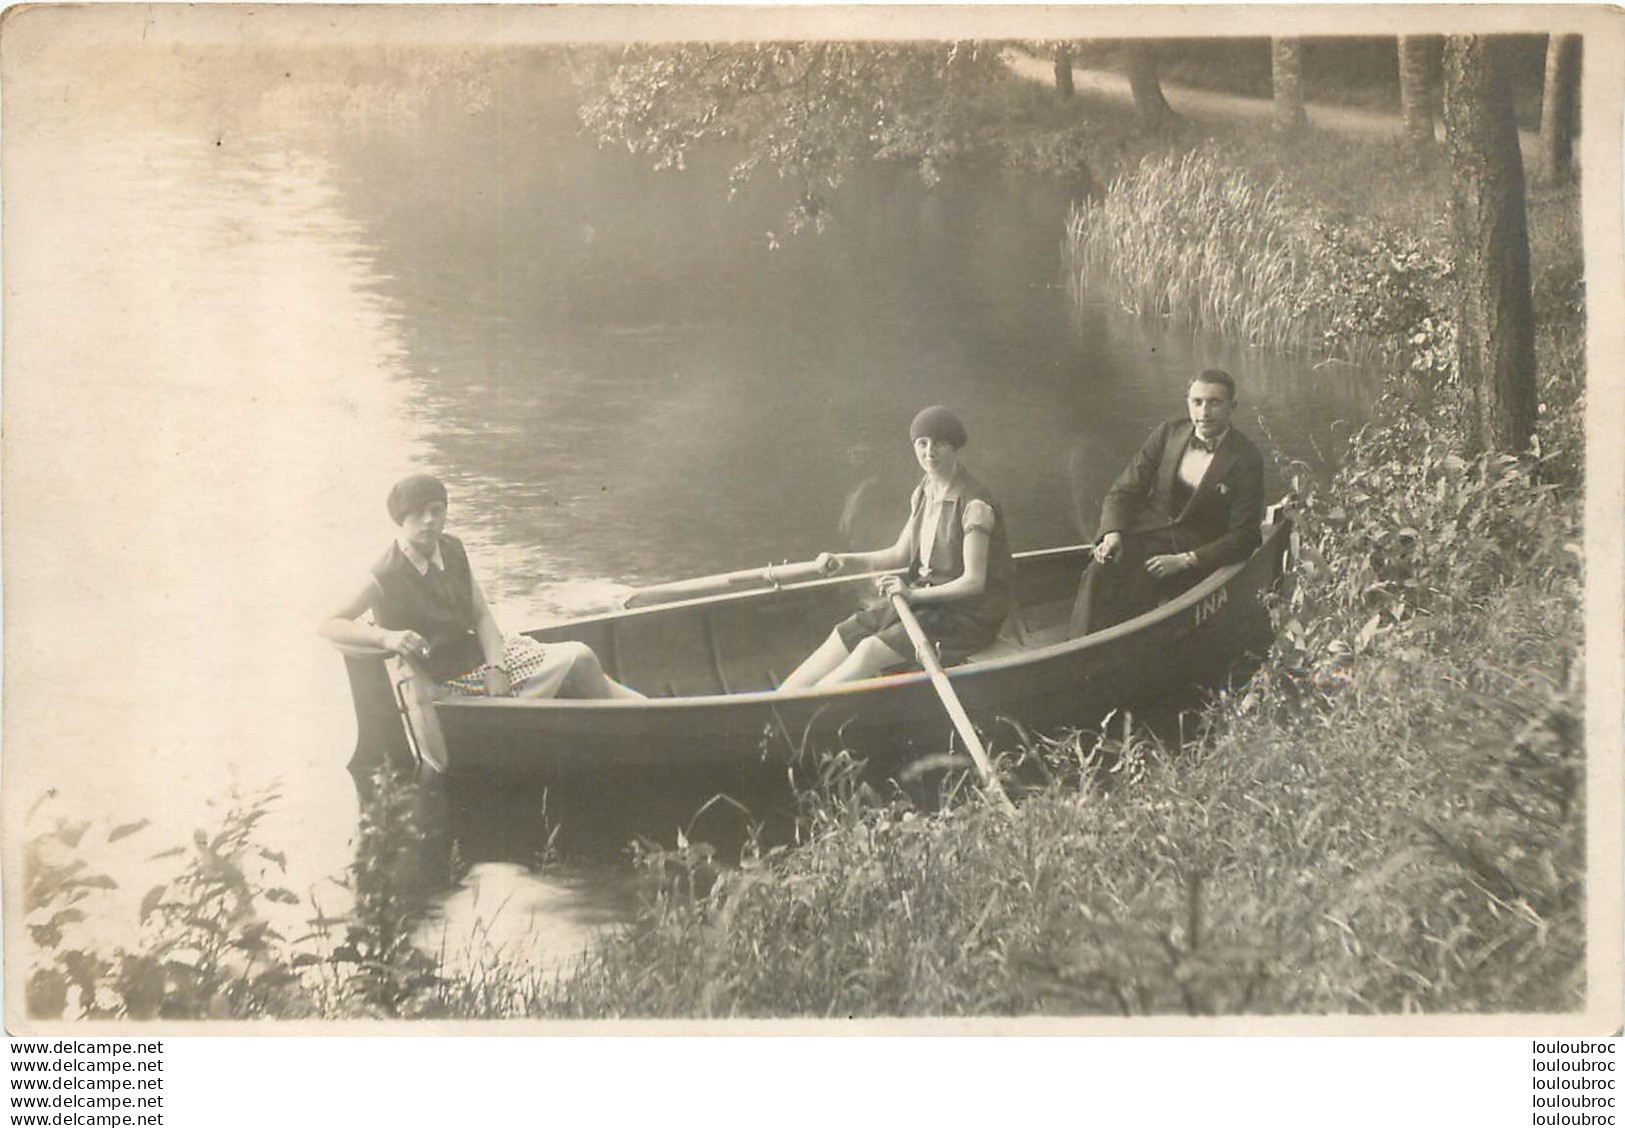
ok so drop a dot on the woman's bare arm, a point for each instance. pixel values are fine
(879, 560)
(344, 627)
(972, 581)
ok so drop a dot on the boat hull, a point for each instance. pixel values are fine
(714, 659)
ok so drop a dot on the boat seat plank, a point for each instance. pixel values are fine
(1001, 647)
(1009, 644)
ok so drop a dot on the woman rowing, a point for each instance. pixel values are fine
(428, 608)
(956, 552)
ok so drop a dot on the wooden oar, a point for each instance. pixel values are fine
(774, 575)
(950, 701)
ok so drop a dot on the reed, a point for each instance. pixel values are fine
(1229, 248)
(1182, 236)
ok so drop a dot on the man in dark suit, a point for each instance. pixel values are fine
(1190, 501)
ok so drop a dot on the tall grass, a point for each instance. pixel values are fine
(1344, 857)
(1390, 818)
(1201, 239)
(1183, 237)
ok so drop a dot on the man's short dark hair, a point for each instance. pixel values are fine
(1216, 376)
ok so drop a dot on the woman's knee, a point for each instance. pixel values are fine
(867, 645)
(582, 657)
(874, 652)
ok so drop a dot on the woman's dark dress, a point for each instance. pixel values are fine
(963, 626)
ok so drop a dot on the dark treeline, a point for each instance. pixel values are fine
(1358, 71)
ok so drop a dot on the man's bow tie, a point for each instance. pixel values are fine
(1200, 443)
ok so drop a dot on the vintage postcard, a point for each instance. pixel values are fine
(667, 519)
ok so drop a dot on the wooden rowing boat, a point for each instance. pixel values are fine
(709, 666)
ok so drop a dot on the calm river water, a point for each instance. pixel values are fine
(246, 294)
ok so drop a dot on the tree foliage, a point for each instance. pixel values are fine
(805, 111)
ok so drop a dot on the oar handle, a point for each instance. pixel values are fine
(774, 575)
(950, 701)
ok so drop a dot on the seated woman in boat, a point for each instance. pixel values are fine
(428, 608)
(957, 554)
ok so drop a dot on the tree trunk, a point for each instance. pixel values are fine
(1557, 106)
(1154, 110)
(1063, 70)
(1495, 310)
(1286, 80)
(1415, 98)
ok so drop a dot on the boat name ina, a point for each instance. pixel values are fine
(1209, 607)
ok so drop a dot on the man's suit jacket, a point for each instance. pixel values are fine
(1220, 522)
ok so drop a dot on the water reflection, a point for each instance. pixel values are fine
(501, 867)
(632, 386)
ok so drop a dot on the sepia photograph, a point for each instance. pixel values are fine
(752, 520)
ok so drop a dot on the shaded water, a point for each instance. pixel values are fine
(244, 297)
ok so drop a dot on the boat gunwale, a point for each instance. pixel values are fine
(1027, 656)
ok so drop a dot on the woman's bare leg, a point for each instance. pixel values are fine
(830, 654)
(586, 677)
(867, 660)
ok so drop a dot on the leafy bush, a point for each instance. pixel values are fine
(1409, 532)
(206, 951)
(1382, 295)
(207, 943)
